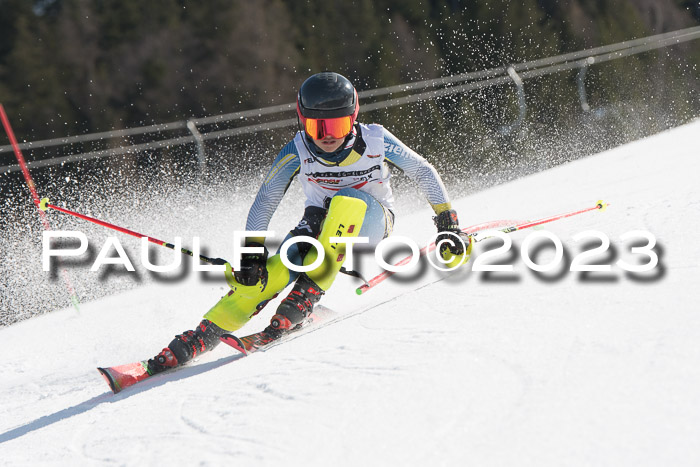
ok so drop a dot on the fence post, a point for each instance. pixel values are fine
(522, 105)
(581, 79)
(201, 155)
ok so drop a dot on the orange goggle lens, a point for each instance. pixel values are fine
(319, 128)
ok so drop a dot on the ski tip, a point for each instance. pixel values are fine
(235, 342)
(109, 379)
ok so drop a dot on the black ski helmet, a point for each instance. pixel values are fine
(327, 95)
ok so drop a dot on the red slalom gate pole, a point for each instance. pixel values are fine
(22, 164)
(473, 231)
(428, 249)
(35, 196)
(44, 205)
(600, 205)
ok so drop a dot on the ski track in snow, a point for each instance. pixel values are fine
(470, 368)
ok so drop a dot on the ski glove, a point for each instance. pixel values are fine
(448, 224)
(253, 267)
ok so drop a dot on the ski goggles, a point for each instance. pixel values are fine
(319, 128)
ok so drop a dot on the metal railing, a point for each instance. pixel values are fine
(516, 73)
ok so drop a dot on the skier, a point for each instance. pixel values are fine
(343, 169)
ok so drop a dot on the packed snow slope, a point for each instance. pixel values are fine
(561, 368)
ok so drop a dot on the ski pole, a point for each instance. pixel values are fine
(44, 205)
(473, 232)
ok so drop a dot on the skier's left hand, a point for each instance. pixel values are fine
(447, 225)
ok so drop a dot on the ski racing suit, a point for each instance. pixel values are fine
(348, 193)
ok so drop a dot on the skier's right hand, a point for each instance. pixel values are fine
(253, 267)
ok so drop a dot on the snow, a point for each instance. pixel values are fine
(474, 369)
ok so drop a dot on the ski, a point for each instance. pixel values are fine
(261, 341)
(123, 376)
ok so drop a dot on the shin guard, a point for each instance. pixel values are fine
(344, 219)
